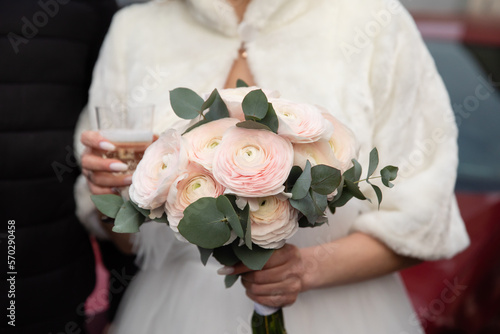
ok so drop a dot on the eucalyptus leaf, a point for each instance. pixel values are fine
(144, 212)
(325, 179)
(354, 173)
(338, 201)
(218, 109)
(340, 189)
(197, 124)
(229, 280)
(204, 225)
(108, 204)
(253, 125)
(307, 207)
(292, 178)
(320, 202)
(354, 189)
(225, 255)
(128, 219)
(378, 192)
(224, 205)
(247, 225)
(254, 258)
(255, 104)
(301, 187)
(185, 103)
(389, 173)
(373, 163)
(271, 119)
(208, 102)
(357, 169)
(241, 83)
(205, 254)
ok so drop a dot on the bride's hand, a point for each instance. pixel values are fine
(98, 170)
(280, 281)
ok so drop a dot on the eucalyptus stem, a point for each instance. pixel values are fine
(369, 178)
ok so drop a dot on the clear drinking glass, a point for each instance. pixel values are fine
(129, 129)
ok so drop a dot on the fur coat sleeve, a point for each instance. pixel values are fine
(415, 129)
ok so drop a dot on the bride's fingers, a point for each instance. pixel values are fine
(290, 286)
(108, 180)
(272, 275)
(276, 300)
(96, 190)
(96, 163)
(237, 269)
(288, 253)
(95, 140)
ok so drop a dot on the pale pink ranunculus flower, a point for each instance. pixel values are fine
(156, 171)
(192, 184)
(205, 139)
(273, 222)
(233, 97)
(253, 163)
(300, 122)
(318, 153)
(342, 142)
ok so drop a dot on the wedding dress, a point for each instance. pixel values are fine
(365, 62)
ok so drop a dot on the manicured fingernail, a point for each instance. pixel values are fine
(118, 166)
(225, 270)
(107, 146)
(128, 180)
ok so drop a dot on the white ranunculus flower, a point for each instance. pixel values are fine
(205, 139)
(300, 122)
(196, 182)
(274, 221)
(318, 153)
(342, 142)
(156, 171)
(253, 163)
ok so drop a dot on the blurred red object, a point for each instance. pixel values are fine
(462, 295)
(98, 301)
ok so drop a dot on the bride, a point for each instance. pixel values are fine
(365, 62)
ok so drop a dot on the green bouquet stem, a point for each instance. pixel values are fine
(268, 324)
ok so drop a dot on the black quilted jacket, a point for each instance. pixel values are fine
(47, 52)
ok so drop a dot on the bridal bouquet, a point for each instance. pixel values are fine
(250, 170)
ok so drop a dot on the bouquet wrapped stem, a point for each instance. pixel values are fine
(268, 320)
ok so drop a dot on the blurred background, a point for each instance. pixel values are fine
(461, 295)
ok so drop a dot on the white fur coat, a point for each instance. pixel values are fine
(363, 60)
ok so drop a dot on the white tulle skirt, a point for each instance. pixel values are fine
(175, 293)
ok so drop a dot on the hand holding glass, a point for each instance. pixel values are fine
(130, 130)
